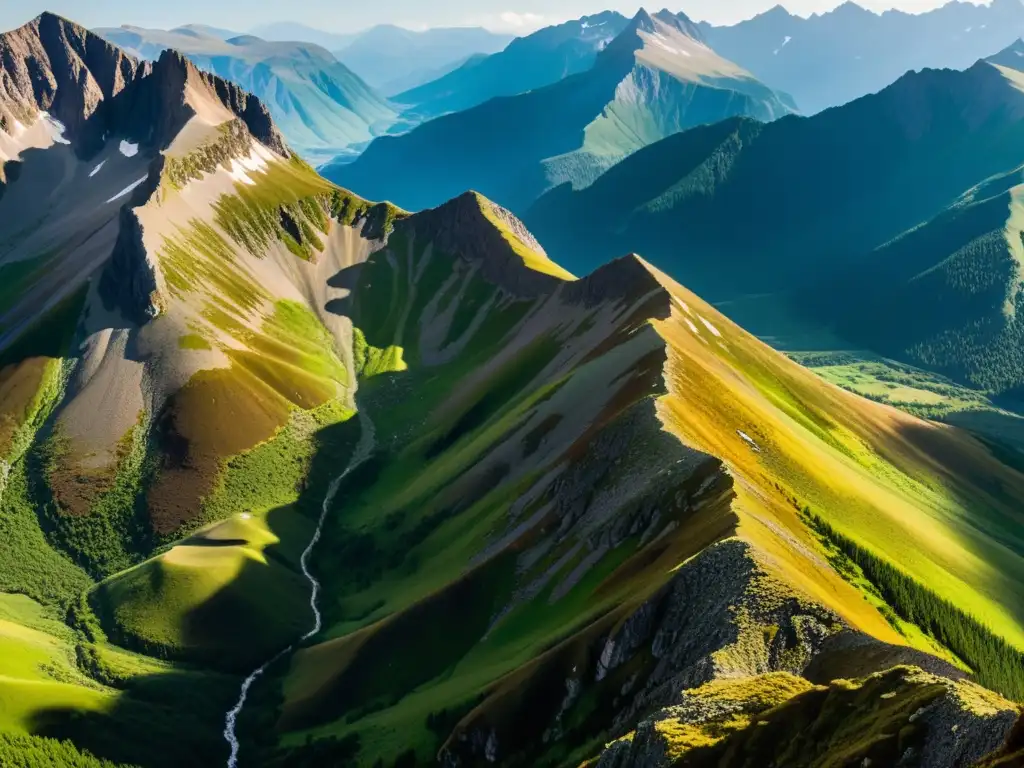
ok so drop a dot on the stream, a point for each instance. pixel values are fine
(364, 449)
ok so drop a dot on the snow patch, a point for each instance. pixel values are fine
(693, 327)
(749, 440)
(237, 173)
(56, 128)
(128, 149)
(784, 44)
(254, 162)
(659, 40)
(127, 190)
(96, 170)
(710, 327)
(260, 151)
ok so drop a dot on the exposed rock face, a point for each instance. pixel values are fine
(902, 717)
(53, 65)
(624, 277)
(461, 226)
(167, 93)
(95, 89)
(129, 280)
(97, 92)
(721, 616)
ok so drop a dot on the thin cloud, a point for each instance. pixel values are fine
(521, 20)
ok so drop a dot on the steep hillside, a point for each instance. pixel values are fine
(655, 79)
(320, 105)
(166, 362)
(505, 539)
(394, 59)
(290, 478)
(927, 272)
(534, 61)
(833, 58)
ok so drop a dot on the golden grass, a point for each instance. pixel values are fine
(537, 261)
(892, 482)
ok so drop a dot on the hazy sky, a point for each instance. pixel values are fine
(351, 15)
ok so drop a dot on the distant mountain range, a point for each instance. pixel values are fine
(529, 62)
(831, 58)
(895, 218)
(393, 59)
(655, 78)
(320, 105)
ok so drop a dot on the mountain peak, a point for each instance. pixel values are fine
(178, 80)
(1011, 57)
(492, 239)
(850, 9)
(662, 24)
(641, 21)
(55, 66)
(680, 22)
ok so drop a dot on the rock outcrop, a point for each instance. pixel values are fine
(902, 717)
(53, 65)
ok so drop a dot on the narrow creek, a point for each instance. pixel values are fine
(367, 443)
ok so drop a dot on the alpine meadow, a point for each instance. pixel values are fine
(354, 413)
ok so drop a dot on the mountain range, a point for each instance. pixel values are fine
(829, 59)
(391, 58)
(905, 226)
(655, 78)
(321, 105)
(534, 61)
(293, 478)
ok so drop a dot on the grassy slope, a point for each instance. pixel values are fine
(409, 528)
(916, 391)
(929, 498)
(37, 667)
(205, 598)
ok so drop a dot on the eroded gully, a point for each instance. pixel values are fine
(364, 449)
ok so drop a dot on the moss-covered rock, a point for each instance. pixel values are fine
(902, 717)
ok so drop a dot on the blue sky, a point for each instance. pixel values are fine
(351, 15)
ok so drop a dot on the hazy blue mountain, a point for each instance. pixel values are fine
(534, 61)
(322, 107)
(285, 31)
(204, 30)
(835, 57)
(656, 78)
(393, 59)
(895, 219)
